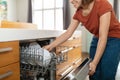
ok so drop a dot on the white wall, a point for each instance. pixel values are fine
(111, 1)
(11, 15)
(17, 10)
(22, 10)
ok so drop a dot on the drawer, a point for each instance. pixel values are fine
(74, 54)
(10, 72)
(71, 43)
(9, 53)
(74, 59)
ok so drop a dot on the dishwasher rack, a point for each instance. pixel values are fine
(34, 66)
(62, 54)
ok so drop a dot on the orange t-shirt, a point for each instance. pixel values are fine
(91, 21)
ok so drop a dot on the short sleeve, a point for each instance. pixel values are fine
(104, 7)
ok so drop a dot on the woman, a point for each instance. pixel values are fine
(98, 17)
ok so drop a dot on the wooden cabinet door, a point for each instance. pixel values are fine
(10, 72)
(9, 53)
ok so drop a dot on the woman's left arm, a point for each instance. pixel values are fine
(103, 35)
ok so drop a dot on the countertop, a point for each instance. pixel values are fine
(23, 34)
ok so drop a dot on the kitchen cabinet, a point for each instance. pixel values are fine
(10, 72)
(9, 61)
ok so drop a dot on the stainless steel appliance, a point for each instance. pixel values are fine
(80, 73)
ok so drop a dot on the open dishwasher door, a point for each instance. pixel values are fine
(80, 73)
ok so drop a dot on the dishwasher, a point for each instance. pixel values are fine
(37, 63)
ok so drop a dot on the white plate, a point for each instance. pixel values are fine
(47, 57)
(34, 45)
(39, 53)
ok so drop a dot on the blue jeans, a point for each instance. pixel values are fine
(107, 67)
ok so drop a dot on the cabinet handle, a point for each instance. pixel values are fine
(67, 71)
(6, 75)
(66, 50)
(6, 49)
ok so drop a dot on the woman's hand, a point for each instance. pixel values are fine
(47, 47)
(92, 68)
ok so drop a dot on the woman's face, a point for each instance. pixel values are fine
(76, 3)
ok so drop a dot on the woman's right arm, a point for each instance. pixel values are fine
(66, 35)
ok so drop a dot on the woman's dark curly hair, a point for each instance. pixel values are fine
(85, 3)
